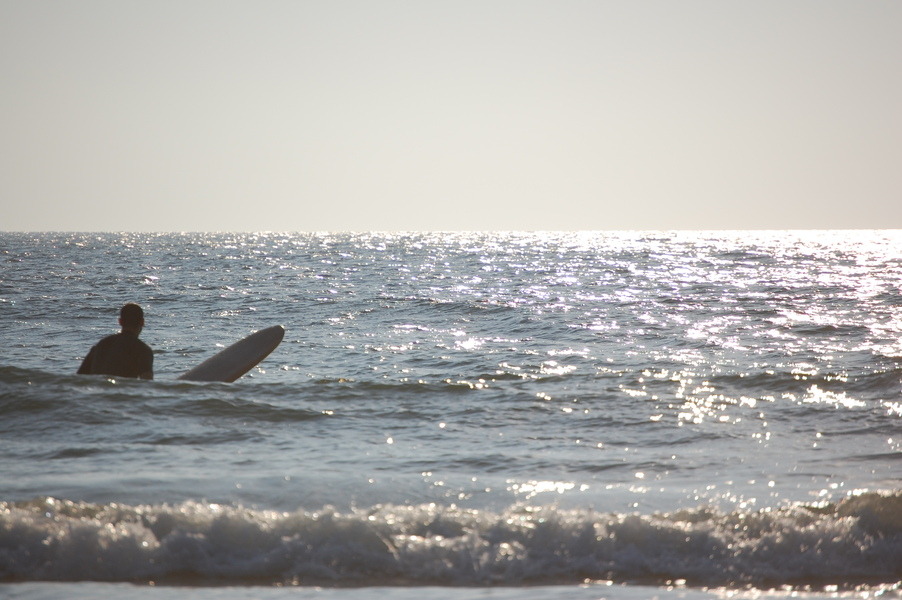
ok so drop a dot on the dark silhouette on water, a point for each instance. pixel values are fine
(122, 354)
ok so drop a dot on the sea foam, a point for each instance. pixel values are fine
(854, 542)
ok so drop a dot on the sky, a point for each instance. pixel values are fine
(363, 115)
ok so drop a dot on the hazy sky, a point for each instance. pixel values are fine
(211, 115)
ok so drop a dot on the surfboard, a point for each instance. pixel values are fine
(239, 358)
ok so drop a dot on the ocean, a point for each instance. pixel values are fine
(499, 415)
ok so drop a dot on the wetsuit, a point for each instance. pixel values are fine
(122, 354)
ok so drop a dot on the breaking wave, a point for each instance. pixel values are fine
(855, 542)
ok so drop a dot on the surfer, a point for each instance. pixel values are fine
(122, 354)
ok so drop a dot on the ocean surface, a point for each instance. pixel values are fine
(458, 416)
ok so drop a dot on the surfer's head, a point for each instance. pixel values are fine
(131, 316)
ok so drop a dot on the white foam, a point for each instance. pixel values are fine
(858, 541)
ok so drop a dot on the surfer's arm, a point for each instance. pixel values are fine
(85, 368)
(147, 372)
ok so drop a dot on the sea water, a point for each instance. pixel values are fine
(457, 415)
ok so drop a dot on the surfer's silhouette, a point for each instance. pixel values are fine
(122, 354)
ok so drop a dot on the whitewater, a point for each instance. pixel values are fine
(457, 415)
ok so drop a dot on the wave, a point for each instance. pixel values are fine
(855, 542)
(31, 399)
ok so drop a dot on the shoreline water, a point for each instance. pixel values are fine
(586, 591)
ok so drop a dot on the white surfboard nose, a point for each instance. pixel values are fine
(239, 358)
